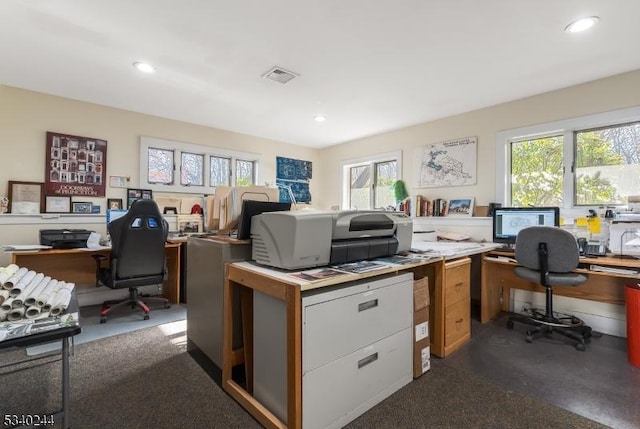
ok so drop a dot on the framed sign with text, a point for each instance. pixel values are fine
(75, 165)
(25, 197)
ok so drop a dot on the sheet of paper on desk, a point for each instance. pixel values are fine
(443, 248)
(23, 247)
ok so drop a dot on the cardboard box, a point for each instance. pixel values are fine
(422, 341)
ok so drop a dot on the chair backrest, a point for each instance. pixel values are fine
(137, 241)
(562, 248)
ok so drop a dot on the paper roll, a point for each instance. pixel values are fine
(6, 272)
(33, 294)
(32, 312)
(22, 283)
(15, 278)
(3, 315)
(15, 314)
(7, 304)
(26, 283)
(44, 298)
(4, 295)
(62, 299)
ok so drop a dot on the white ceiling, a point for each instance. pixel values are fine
(369, 66)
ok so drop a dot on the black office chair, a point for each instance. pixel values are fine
(548, 255)
(137, 256)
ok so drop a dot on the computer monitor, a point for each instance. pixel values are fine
(508, 221)
(113, 214)
(250, 208)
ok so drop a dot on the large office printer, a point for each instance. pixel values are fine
(302, 239)
(64, 238)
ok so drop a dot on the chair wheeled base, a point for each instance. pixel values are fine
(544, 324)
(134, 299)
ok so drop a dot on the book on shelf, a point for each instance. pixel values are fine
(421, 206)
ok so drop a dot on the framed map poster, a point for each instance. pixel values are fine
(448, 163)
(292, 178)
(75, 165)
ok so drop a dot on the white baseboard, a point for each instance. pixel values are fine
(602, 317)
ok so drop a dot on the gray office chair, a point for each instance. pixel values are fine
(137, 256)
(548, 255)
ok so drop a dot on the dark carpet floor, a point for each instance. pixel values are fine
(145, 379)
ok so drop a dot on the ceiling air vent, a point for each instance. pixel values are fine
(280, 75)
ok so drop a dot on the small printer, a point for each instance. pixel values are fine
(64, 238)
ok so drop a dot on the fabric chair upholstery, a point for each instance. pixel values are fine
(137, 255)
(548, 255)
(563, 256)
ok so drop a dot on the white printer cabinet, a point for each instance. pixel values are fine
(356, 349)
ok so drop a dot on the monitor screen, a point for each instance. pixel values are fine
(508, 221)
(250, 208)
(113, 214)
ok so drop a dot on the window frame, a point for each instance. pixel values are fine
(370, 160)
(566, 128)
(206, 151)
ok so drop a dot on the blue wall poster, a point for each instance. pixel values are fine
(293, 174)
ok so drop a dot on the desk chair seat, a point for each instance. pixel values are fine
(548, 256)
(137, 257)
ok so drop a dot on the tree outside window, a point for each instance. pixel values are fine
(605, 169)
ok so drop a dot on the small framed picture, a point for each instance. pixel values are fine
(114, 203)
(460, 207)
(136, 194)
(81, 207)
(57, 204)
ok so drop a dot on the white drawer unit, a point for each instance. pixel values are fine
(356, 349)
(342, 321)
(337, 393)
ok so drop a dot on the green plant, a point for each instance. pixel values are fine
(400, 191)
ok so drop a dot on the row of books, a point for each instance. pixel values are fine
(420, 206)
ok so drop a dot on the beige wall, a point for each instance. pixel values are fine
(26, 116)
(603, 95)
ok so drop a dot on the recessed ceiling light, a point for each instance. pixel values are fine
(144, 67)
(319, 118)
(582, 24)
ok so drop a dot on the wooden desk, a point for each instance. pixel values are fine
(249, 277)
(498, 279)
(77, 266)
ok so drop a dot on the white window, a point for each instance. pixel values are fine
(159, 172)
(368, 181)
(160, 166)
(192, 169)
(577, 163)
(245, 172)
(220, 171)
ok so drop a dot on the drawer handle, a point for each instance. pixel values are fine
(367, 305)
(460, 320)
(366, 361)
(459, 285)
